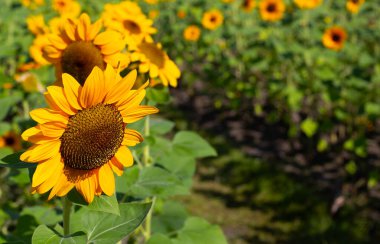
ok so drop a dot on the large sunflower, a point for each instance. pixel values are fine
(272, 10)
(308, 4)
(128, 21)
(334, 38)
(82, 139)
(156, 62)
(78, 47)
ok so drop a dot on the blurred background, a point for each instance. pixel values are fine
(288, 92)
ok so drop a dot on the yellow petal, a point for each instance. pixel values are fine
(72, 89)
(106, 37)
(46, 169)
(111, 78)
(52, 129)
(131, 138)
(93, 89)
(57, 42)
(62, 187)
(116, 166)
(86, 187)
(44, 115)
(38, 153)
(50, 182)
(116, 46)
(124, 156)
(30, 132)
(133, 99)
(133, 115)
(94, 30)
(83, 26)
(121, 88)
(50, 102)
(107, 180)
(70, 29)
(60, 100)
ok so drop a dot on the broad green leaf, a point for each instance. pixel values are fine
(43, 214)
(199, 231)
(181, 166)
(160, 126)
(171, 218)
(309, 127)
(100, 203)
(7, 102)
(159, 239)
(45, 235)
(191, 142)
(13, 161)
(103, 227)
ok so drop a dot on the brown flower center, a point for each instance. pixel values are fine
(153, 53)
(271, 8)
(336, 37)
(92, 137)
(132, 26)
(79, 58)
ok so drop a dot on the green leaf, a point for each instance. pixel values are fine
(199, 231)
(102, 227)
(309, 127)
(4, 128)
(13, 161)
(160, 126)
(102, 203)
(192, 143)
(171, 218)
(7, 102)
(45, 235)
(159, 239)
(43, 214)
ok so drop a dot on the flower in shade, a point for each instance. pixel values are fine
(248, 5)
(68, 8)
(128, 21)
(36, 25)
(12, 140)
(192, 33)
(212, 19)
(272, 10)
(78, 47)
(83, 138)
(334, 38)
(308, 4)
(354, 5)
(154, 61)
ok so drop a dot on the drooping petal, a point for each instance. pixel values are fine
(59, 99)
(116, 166)
(131, 137)
(124, 156)
(49, 183)
(107, 180)
(30, 132)
(133, 115)
(63, 186)
(45, 170)
(38, 153)
(86, 187)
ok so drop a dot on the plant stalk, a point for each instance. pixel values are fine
(66, 215)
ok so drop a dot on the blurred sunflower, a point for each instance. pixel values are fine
(12, 140)
(354, 5)
(36, 25)
(248, 5)
(79, 47)
(153, 14)
(308, 4)
(151, 1)
(334, 38)
(69, 8)
(128, 22)
(212, 19)
(32, 3)
(154, 60)
(82, 139)
(228, 1)
(272, 10)
(36, 49)
(29, 82)
(192, 33)
(181, 14)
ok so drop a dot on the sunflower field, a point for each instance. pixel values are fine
(190, 121)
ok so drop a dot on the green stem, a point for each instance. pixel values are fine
(148, 221)
(146, 155)
(66, 215)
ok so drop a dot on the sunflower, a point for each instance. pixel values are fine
(272, 10)
(36, 25)
(192, 33)
(29, 82)
(154, 60)
(248, 5)
(36, 49)
(69, 8)
(334, 38)
(212, 19)
(32, 3)
(151, 1)
(78, 47)
(308, 4)
(131, 22)
(354, 5)
(82, 139)
(181, 14)
(12, 140)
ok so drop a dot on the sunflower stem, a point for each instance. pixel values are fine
(148, 221)
(66, 215)
(146, 158)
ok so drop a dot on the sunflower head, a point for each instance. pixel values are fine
(78, 47)
(272, 10)
(181, 14)
(68, 8)
(12, 140)
(308, 4)
(212, 19)
(82, 139)
(154, 61)
(192, 33)
(36, 49)
(248, 5)
(334, 38)
(36, 25)
(354, 5)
